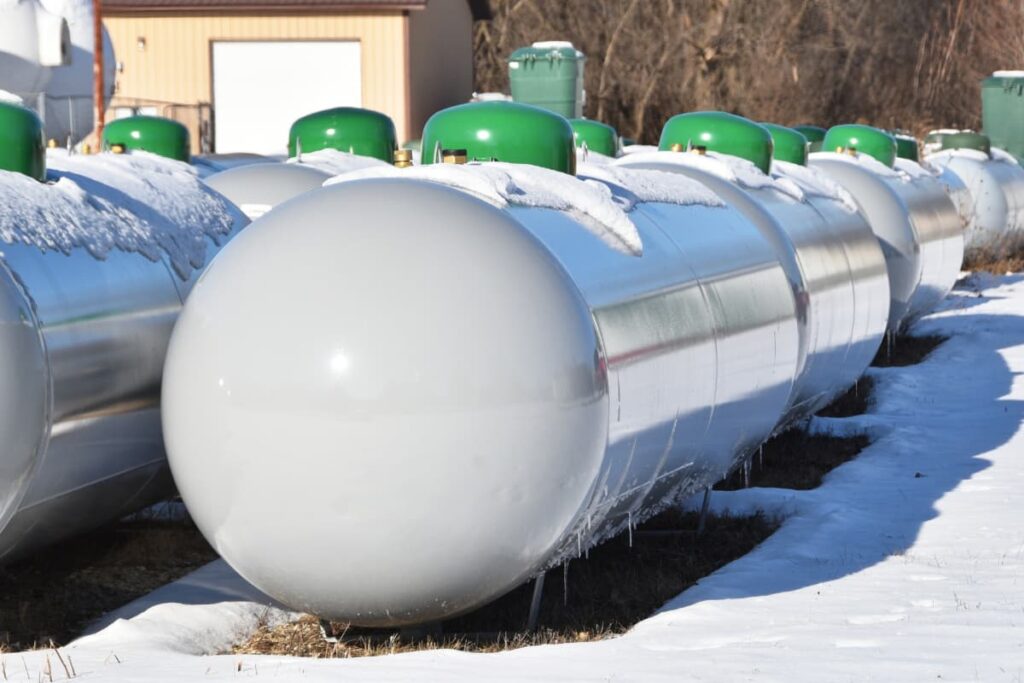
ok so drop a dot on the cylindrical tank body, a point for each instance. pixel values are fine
(459, 396)
(257, 188)
(836, 267)
(87, 303)
(69, 94)
(916, 223)
(995, 226)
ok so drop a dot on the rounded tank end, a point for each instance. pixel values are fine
(24, 398)
(257, 188)
(399, 418)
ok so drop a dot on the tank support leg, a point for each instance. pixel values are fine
(704, 511)
(538, 592)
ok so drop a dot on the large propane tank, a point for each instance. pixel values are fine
(68, 112)
(995, 182)
(911, 214)
(835, 263)
(258, 187)
(461, 386)
(32, 42)
(94, 266)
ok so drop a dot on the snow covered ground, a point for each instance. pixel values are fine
(906, 564)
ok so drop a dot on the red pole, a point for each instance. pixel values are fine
(99, 106)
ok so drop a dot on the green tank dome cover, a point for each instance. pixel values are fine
(967, 139)
(22, 144)
(717, 131)
(154, 134)
(790, 144)
(364, 132)
(869, 140)
(814, 134)
(600, 137)
(502, 131)
(906, 146)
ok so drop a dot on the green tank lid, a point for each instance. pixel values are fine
(790, 144)
(869, 140)
(153, 134)
(967, 139)
(906, 146)
(364, 132)
(599, 137)
(22, 144)
(814, 134)
(502, 131)
(717, 131)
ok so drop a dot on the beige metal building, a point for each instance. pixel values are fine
(238, 72)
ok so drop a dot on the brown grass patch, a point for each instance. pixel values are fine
(797, 460)
(994, 265)
(49, 598)
(854, 402)
(609, 591)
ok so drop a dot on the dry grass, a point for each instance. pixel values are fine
(996, 266)
(52, 596)
(797, 460)
(854, 402)
(609, 591)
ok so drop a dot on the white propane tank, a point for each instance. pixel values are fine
(94, 265)
(837, 266)
(257, 188)
(995, 181)
(32, 42)
(68, 112)
(916, 223)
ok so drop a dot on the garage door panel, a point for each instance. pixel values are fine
(261, 87)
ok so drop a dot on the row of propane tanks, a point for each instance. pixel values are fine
(395, 397)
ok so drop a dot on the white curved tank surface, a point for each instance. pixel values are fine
(257, 188)
(32, 42)
(462, 386)
(916, 223)
(68, 113)
(94, 266)
(995, 226)
(835, 259)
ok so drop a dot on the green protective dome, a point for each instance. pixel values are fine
(868, 140)
(22, 144)
(790, 144)
(720, 132)
(967, 139)
(502, 131)
(600, 137)
(153, 134)
(906, 147)
(348, 129)
(814, 134)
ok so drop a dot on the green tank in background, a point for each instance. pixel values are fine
(549, 75)
(1002, 111)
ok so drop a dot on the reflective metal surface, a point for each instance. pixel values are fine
(458, 396)
(995, 225)
(917, 226)
(85, 338)
(837, 275)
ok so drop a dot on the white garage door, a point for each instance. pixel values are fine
(261, 87)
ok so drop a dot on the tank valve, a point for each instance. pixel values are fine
(453, 156)
(52, 144)
(117, 148)
(676, 147)
(403, 158)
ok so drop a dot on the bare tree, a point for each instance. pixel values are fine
(912, 64)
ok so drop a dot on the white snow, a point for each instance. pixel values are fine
(912, 168)
(943, 156)
(638, 149)
(10, 98)
(336, 162)
(906, 564)
(813, 183)
(864, 160)
(503, 184)
(649, 185)
(1009, 74)
(1003, 155)
(133, 202)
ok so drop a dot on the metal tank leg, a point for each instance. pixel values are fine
(704, 511)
